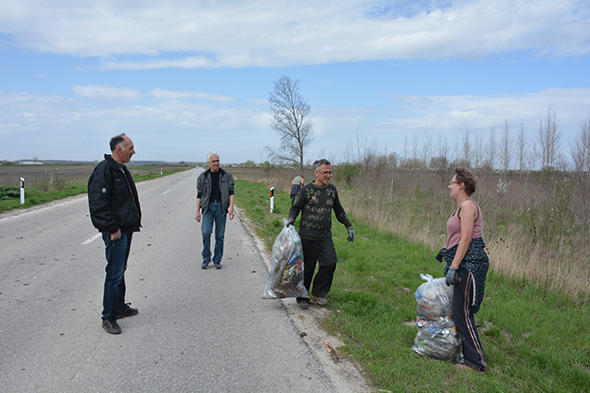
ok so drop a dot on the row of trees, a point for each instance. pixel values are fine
(504, 150)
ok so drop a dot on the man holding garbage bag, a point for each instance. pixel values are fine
(316, 201)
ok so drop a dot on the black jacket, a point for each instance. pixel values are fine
(112, 198)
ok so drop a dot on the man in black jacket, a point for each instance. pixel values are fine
(115, 211)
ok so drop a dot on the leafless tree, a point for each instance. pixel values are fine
(290, 122)
(440, 163)
(522, 150)
(466, 151)
(505, 152)
(426, 149)
(491, 151)
(549, 147)
(581, 160)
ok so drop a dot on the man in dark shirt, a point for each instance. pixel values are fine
(215, 200)
(316, 201)
(116, 213)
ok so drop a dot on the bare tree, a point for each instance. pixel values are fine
(405, 157)
(426, 149)
(290, 122)
(466, 151)
(522, 150)
(491, 152)
(581, 161)
(505, 152)
(550, 150)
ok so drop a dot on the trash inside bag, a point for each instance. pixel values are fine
(286, 276)
(437, 337)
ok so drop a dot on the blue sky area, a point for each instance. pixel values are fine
(182, 78)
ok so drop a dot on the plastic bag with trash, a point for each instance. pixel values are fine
(437, 337)
(286, 276)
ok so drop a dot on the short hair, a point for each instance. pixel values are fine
(464, 176)
(319, 163)
(117, 141)
(211, 153)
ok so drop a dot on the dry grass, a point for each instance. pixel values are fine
(531, 231)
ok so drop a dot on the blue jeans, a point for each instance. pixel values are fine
(214, 214)
(117, 253)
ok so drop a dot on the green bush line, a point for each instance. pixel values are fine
(10, 196)
(535, 339)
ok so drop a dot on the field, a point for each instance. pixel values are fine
(76, 174)
(45, 183)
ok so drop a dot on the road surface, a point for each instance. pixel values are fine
(197, 330)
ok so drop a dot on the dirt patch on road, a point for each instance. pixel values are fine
(345, 373)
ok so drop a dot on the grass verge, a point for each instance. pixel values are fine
(535, 339)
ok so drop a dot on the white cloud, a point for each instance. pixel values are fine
(108, 93)
(162, 94)
(58, 127)
(203, 34)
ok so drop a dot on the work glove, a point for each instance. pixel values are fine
(451, 276)
(350, 235)
(289, 222)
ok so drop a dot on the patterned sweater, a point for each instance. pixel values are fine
(316, 205)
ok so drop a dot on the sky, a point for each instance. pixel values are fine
(185, 77)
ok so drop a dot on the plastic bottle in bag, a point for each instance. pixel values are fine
(437, 337)
(286, 274)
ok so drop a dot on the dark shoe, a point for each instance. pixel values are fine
(322, 301)
(111, 326)
(464, 367)
(127, 312)
(217, 265)
(303, 304)
(205, 265)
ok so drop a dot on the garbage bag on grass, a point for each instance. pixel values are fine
(437, 337)
(286, 276)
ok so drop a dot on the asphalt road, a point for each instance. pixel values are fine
(197, 330)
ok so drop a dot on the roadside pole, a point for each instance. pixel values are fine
(272, 199)
(22, 190)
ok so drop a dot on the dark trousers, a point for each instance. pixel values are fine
(117, 253)
(320, 252)
(465, 322)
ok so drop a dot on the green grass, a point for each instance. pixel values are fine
(35, 197)
(535, 340)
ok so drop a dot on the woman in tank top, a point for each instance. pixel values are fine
(466, 266)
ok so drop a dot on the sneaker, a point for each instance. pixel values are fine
(205, 265)
(303, 304)
(111, 326)
(127, 312)
(217, 265)
(322, 301)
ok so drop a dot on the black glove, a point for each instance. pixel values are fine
(350, 235)
(289, 222)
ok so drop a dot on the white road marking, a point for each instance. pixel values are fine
(93, 238)
(167, 192)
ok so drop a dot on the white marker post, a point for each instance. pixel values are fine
(22, 190)
(272, 198)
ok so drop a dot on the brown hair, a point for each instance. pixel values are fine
(464, 176)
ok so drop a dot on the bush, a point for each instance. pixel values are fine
(7, 193)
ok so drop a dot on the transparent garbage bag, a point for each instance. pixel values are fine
(437, 337)
(286, 276)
